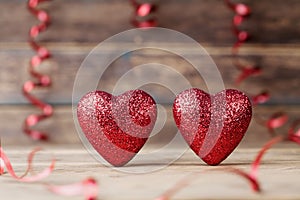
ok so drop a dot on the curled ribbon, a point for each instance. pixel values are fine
(242, 12)
(87, 187)
(6, 162)
(251, 177)
(144, 14)
(261, 98)
(294, 134)
(276, 120)
(42, 81)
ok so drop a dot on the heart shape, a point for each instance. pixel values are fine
(212, 125)
(117, 126)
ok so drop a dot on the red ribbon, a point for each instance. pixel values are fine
(88, 188)
(276, 120)
(256, 163)
(294, 134)
(247, 72)
(42, 81)
(261, 98)
(251, 177)
(6, 162)
(144, 14)
(242, 12)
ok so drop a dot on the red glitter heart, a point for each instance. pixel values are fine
(117, 126)
(212, 125)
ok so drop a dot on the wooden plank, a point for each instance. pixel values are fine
(60, 127)
(78, 25)
(278, 175)
(62, 130)
(279, 63)
(205, 21)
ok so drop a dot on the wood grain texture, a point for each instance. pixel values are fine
(279, 63)
(61, 126)
(70, 45)
(79, 25)
(278, 175)
(273, 21)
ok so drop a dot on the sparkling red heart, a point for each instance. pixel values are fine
(213, 126)
(117, 126)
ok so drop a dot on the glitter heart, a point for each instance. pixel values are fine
(212, 125)
(117, 126)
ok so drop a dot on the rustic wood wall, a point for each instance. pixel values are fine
(79, 25)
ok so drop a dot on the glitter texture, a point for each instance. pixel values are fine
(212, 126)
(117, 126)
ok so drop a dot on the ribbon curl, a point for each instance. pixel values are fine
(294, 134)
(42, 81)
(242, 12)
(88, 188)
(144, 14)
(23, 178)
(251, 177)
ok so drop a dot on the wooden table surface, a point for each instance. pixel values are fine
(79, 25)
(279, 175)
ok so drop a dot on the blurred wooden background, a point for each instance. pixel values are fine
(79, 25)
